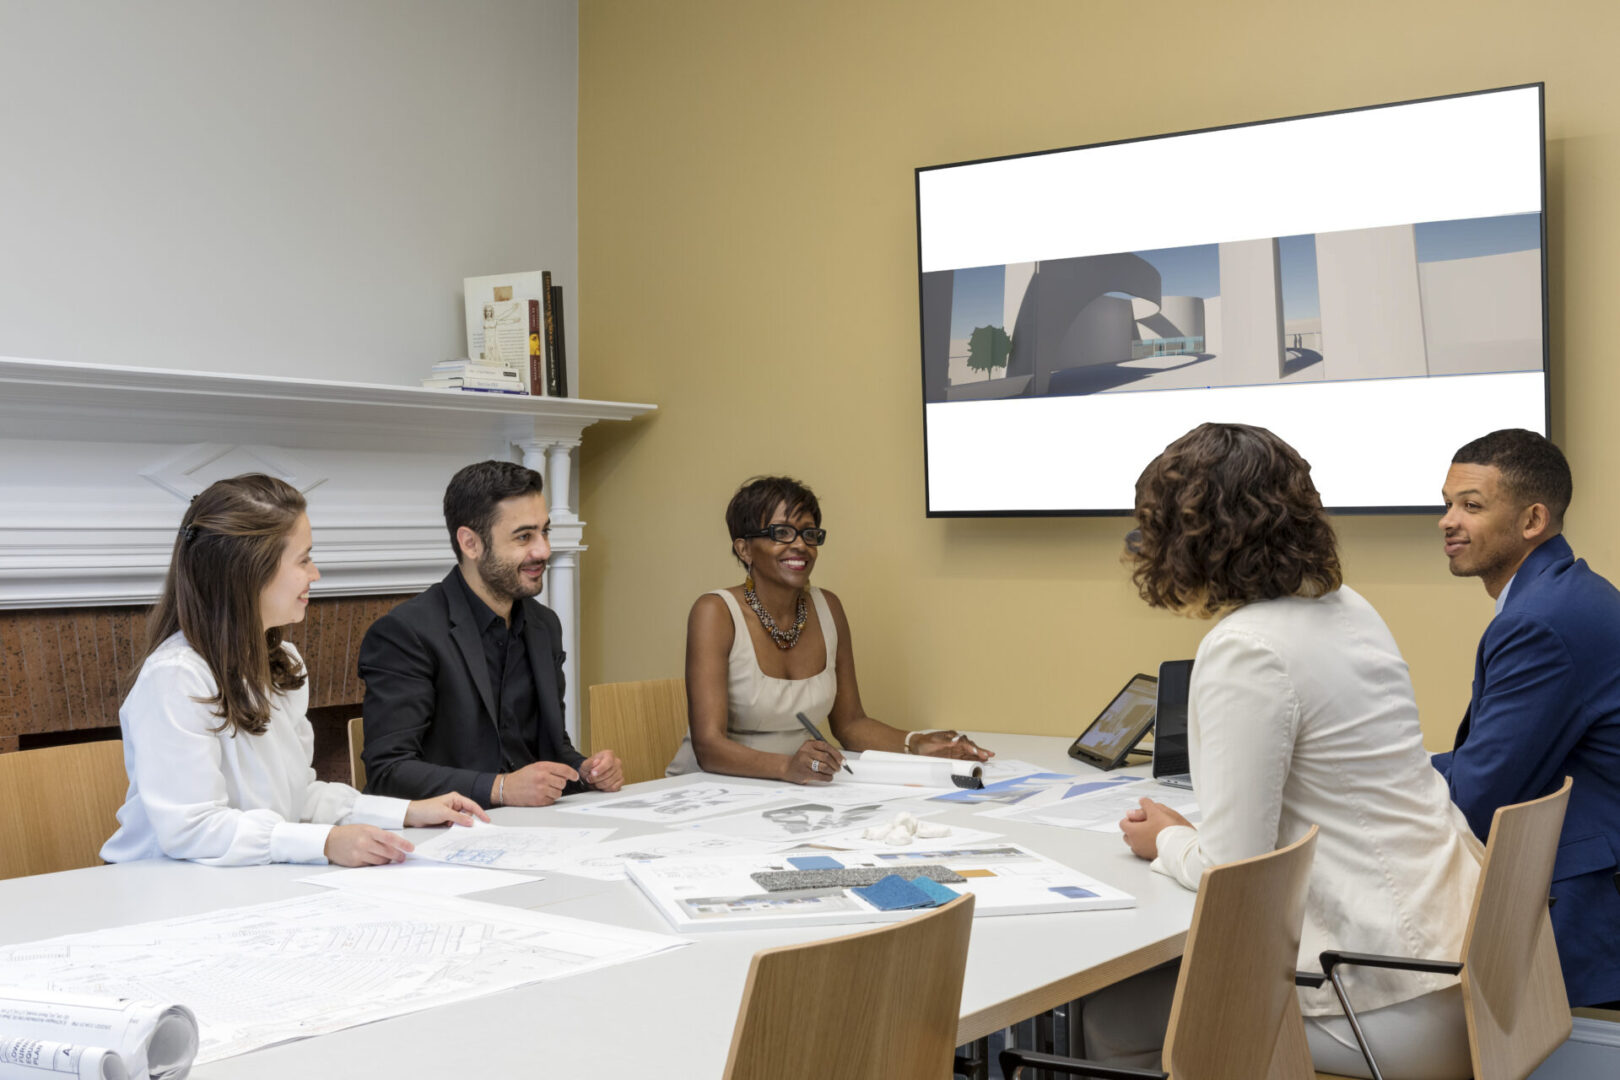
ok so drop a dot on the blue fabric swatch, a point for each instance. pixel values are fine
(815, 862)
(894, 893)
(1073, 892)
(936, 892)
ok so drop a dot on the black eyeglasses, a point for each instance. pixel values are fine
(786, 534)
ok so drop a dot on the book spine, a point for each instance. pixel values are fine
(551, 332)
(560, 369)
(537, 382)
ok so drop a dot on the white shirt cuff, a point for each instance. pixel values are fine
(297, 842)
(1175, 842)
(379, 810)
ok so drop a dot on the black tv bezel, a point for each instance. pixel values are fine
(1433, 508)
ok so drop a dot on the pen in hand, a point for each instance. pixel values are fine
(816, 735)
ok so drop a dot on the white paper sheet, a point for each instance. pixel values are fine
(806, 818)
(502, 847)
(1051, 794)
(437, 879)
(1101, 811)
(721, 894)
(855, 841)
(294, 968)
(606, 862)
(673, 805)
(999, 769)
(842, 793)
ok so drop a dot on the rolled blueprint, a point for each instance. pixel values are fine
(882, 767)
(152, 1042)
(32, 1059)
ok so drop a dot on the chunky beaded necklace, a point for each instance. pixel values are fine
(785, 639)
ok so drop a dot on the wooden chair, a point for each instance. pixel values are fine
(357, 743)
(1512, 985)
(878, 1004)
(59, 805)
(643, 722)
(1235, 1015)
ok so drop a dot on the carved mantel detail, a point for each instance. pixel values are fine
(100, 461)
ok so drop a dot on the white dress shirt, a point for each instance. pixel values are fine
(1301, 712)
(221, 798)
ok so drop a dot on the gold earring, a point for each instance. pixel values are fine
(748, 579)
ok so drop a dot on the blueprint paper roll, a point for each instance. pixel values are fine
(883, 767)
(150, 1041)
(33, 1059)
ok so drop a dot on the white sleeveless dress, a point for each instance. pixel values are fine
(761, 710)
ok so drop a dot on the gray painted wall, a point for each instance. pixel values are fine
(293, 188)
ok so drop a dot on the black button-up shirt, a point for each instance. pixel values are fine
(511, 680)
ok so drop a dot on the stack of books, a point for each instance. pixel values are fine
(516, 321)
(476, 376)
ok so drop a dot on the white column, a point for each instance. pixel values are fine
(553, 458)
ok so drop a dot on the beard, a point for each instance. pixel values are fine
(504, 577)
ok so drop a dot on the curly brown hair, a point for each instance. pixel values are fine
(1228, 515)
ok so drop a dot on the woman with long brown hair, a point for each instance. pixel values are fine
(216, 741)
(1301, 712)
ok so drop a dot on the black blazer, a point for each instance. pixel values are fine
(430, 721)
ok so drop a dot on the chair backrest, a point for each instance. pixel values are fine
(1513, 987)
(59, 804)
(883, 1003)
(642, 722)
(1235, 1000)
(357, 743)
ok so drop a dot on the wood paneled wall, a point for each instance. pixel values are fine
(62, 670)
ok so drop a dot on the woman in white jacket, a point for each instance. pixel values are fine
(1301, 712)
(216, 742)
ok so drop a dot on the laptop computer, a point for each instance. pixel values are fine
(1170, 764)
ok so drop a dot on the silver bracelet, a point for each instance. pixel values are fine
(500, 789)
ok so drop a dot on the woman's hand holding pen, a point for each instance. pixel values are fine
(814, 762)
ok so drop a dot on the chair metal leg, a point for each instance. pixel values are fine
(1337, 978)
(973, 1060)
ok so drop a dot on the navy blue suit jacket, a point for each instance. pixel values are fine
(1546, 705)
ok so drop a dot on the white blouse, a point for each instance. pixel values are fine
(1301, 712)
(220, 798)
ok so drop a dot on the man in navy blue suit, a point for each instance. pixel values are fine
(1546, 699)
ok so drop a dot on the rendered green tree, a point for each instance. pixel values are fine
(988, 349)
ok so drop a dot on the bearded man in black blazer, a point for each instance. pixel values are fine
(464, 683)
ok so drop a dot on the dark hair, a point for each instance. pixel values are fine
(475, 491)
(1227, 516)
(758, 498)
(228, 549)
(1533, 469)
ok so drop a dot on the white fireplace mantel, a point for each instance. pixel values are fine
(97, 463)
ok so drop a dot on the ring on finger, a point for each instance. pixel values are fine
(815, 766)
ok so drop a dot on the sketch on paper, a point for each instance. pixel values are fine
(675, 804)
(795, 821)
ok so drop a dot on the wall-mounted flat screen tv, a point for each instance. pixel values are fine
(1369, 284)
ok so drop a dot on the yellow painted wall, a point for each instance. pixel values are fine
(748, 262)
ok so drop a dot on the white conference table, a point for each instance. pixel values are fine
(670, 1015)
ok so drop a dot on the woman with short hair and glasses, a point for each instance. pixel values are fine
(1301, 712)
(761, 653)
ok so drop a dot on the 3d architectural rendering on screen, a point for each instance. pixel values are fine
(1415, 300)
